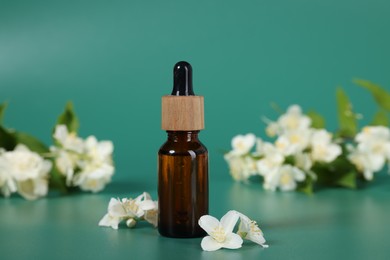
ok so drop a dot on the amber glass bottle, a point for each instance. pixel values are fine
(182, 160)
(183, 189)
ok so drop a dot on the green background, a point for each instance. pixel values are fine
(114, 60)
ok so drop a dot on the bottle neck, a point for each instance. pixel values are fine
(183, 136)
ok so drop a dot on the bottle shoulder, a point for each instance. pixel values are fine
(182, 148)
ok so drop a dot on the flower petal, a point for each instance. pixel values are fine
(208, 223)
(109, 221)
(147, 205)
(147, 196)
(233, 241)
(115, 208)
(209, 244)
(257, 238)
(229, 221)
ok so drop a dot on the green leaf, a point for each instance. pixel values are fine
(306, 186)
(347, 179)
(31, 142)
(317, 120)
(347, 118)
(69, 118)
(57, 180)
(340, 172)
(380, 118)
(2, 109)
(381, 96)
(7, 139)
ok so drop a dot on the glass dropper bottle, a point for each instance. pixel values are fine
(182, 160)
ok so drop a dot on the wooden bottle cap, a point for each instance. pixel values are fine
(182, 113)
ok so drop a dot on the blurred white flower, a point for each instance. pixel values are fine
(294, 120)
(66, 163)
(259, 147)
(242, 144)
(96, 169)
(272, 129)
(7, 183)
(372, 150)
(248, 229)
(241, 167)
(131, 210)
(24, 171)
(375, 140)
(373, 134)
(322, 148)
(303, 161)
(271, 161)
(365, 162)
(285, 178)
(220, 232)
(86, 164)
(68, 141)
(293, 142)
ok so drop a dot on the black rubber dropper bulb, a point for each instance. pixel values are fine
(182, 79)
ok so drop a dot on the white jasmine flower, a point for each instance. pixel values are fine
(372, 151)
(272, 129)
(242, 144)
(293, 142)
(96, 169)
(99, 151)
(24, 171)
(285, 178)
(259, 147)
(7, 183)
(94, 177)
(363, 164)
(375, 140)
(33, 188)
(366, 162)
(248, 229)
(66, 163)
(323, 149)
(294, 119)
(69, 141)
(373, 134)
(87, 164)
(289, 176)
(130, 210)
(220, 232)
(271, 161)
(303, 161)
(241, 167)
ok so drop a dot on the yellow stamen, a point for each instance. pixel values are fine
(218, 234)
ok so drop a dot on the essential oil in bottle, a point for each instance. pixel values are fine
(182, 160)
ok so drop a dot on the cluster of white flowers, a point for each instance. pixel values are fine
(130, 211)
(220, 233)
(287, 161)
(85, 163)
(372, 150)
(25, 172)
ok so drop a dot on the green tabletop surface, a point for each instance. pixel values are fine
(331, 224)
